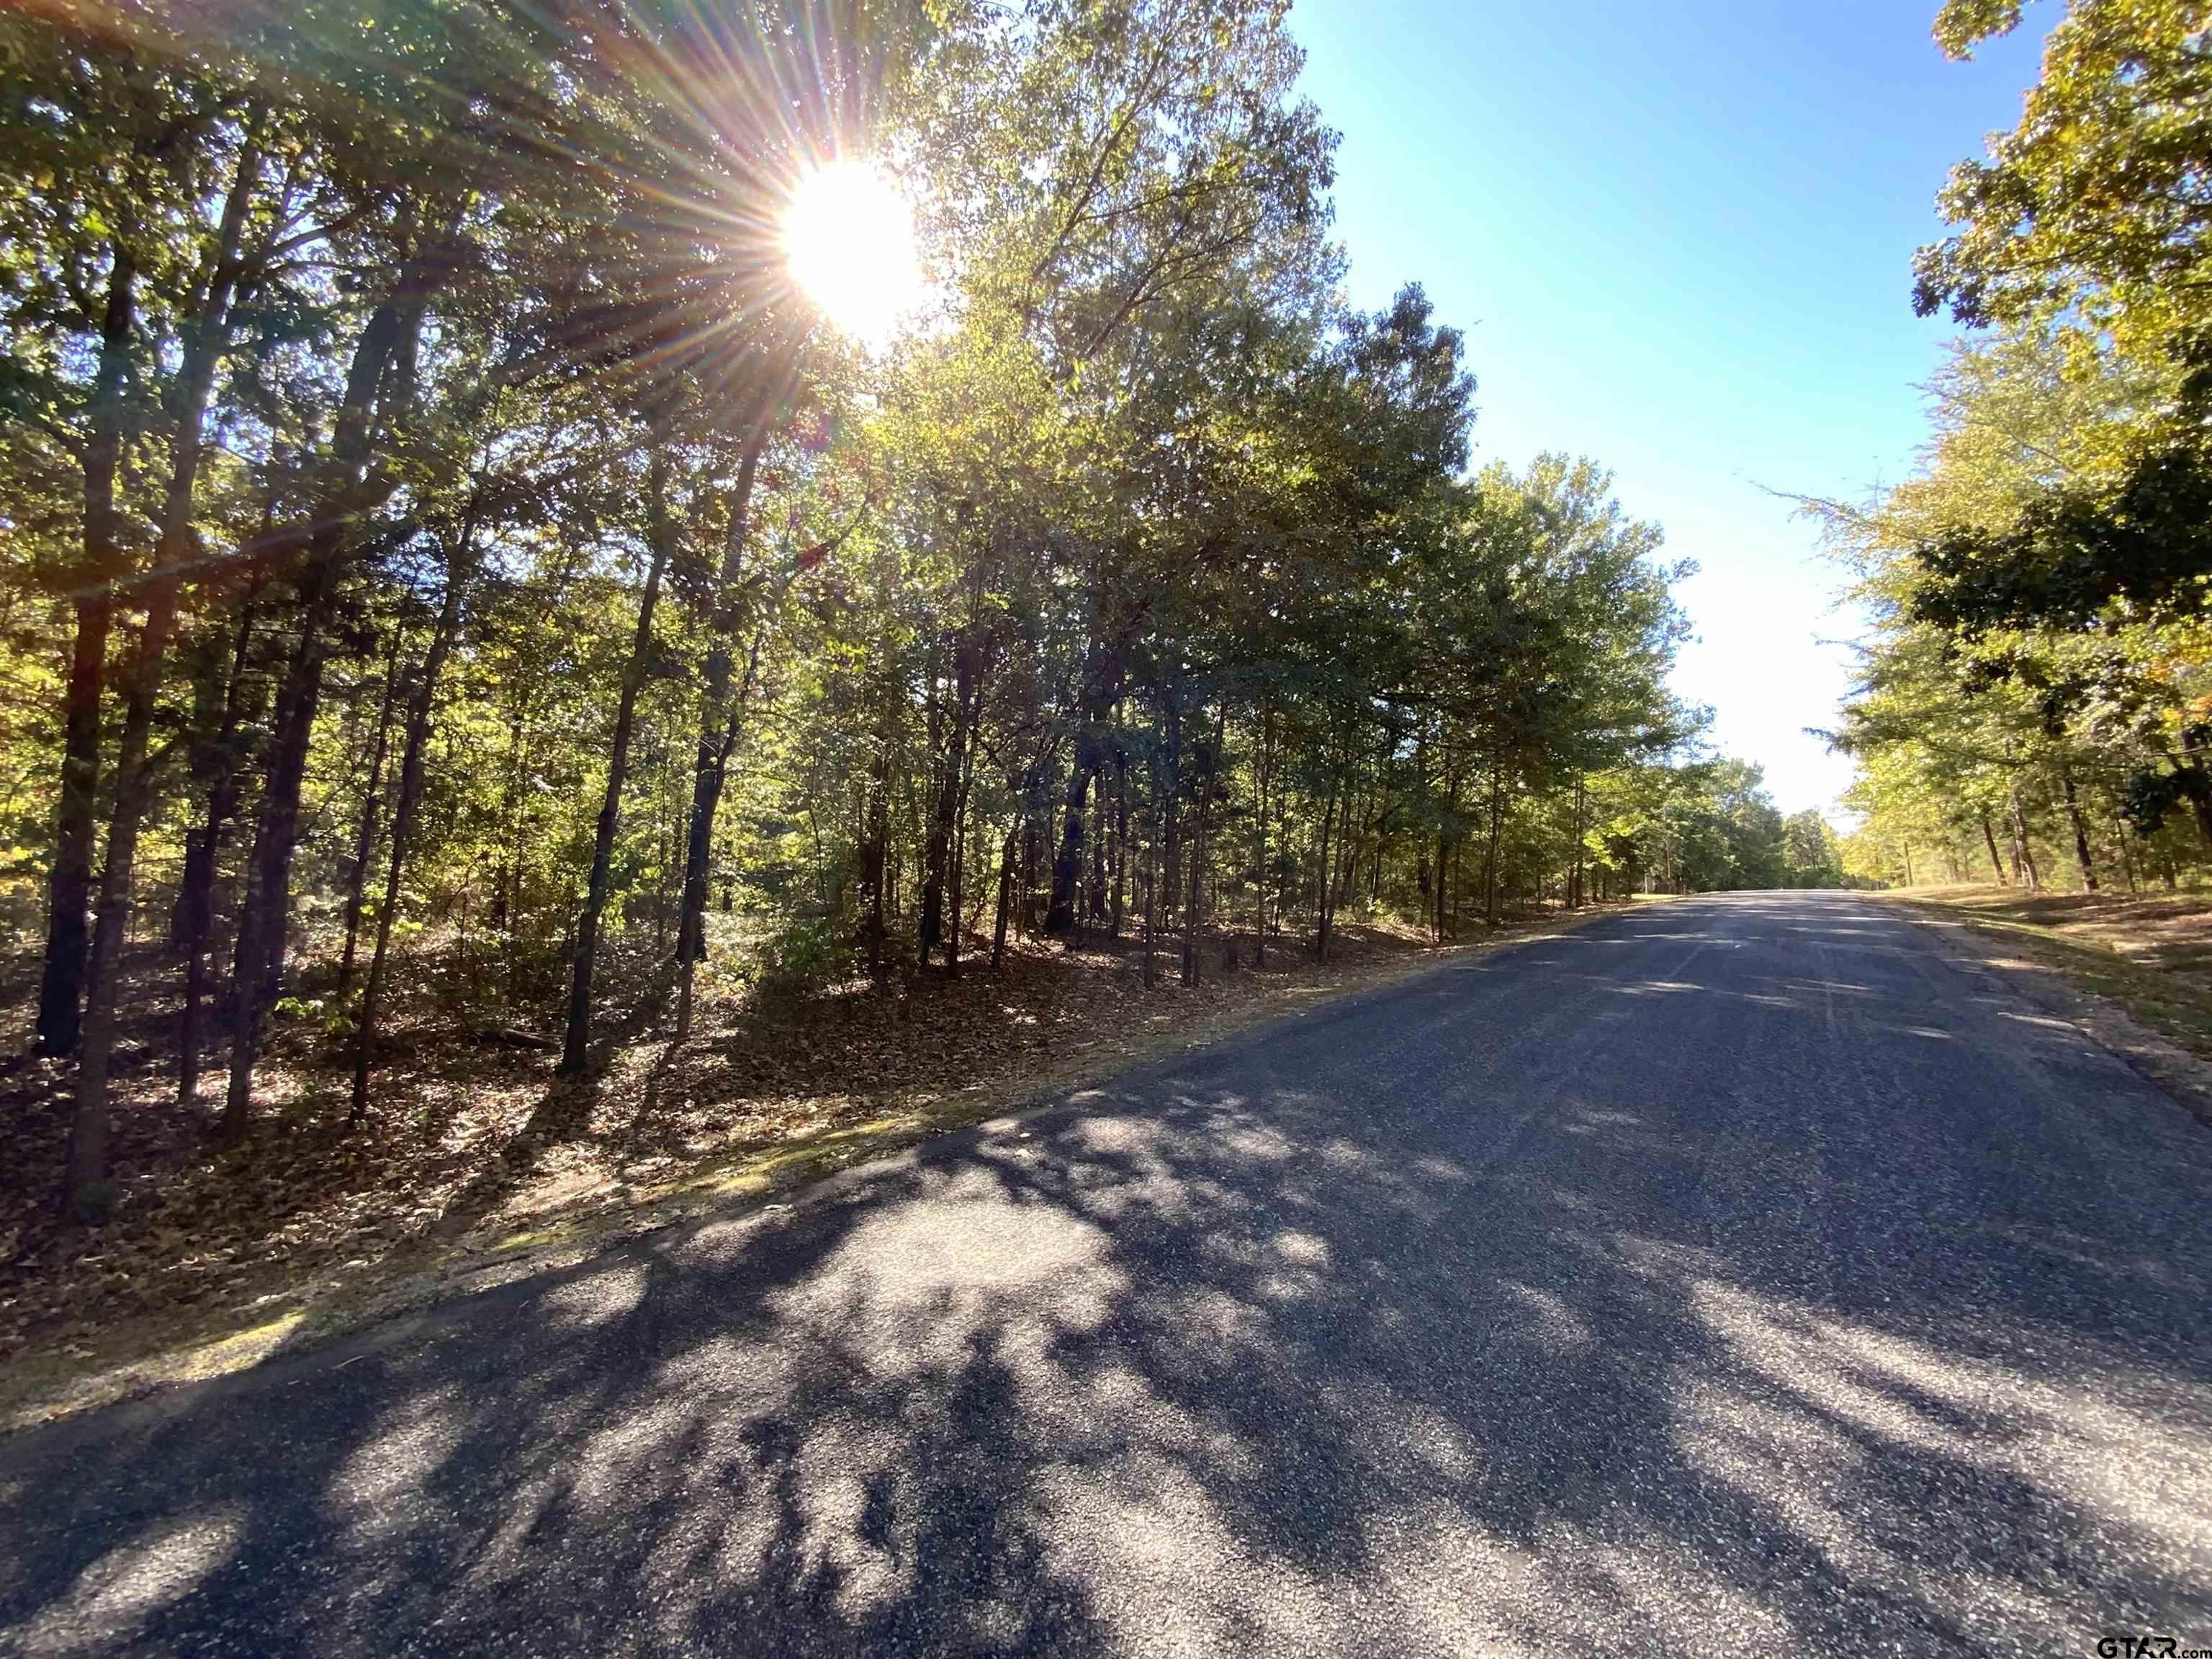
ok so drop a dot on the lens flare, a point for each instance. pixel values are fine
(848, 243)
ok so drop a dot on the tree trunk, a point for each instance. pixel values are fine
(460, 571)
(2023, 851)
(1061, 917)
(257, 960)
(1348, 852)
(1321, 886)
(1443, 882)
(371, 805)
(1009, 851)
(1121, 832)
(2080, 832)
(1195, 897)
(956, 884)
(61, 988)
(1492, 884)
(717, 721)
(720, 722)
(575, 1051)
(1194, 917)
(1989, 836)
(203, 853)
(691, 934)
(1171, 829)
(1575, 879)
(1095, 898)
(1025, 899)
(875, 849)
(1260, 840)
(86, 1193)
(1152, 902)
(938, 874)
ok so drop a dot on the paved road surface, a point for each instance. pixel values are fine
(1731, 1276)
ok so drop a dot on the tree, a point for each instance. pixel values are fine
(1812, 854)
(2020, 682)
(2083, 236)
(2100, 196)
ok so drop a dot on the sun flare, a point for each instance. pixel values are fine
(849, 242)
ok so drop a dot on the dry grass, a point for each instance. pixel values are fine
(477, 1154)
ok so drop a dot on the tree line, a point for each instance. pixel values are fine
(451, 566)
(2033, 705)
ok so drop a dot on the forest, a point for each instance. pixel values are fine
(478, 568)
(2033, 707)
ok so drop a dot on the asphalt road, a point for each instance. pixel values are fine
(1734, 1275)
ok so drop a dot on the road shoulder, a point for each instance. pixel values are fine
(2058, 975)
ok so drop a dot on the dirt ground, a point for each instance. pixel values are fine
(476, 1156)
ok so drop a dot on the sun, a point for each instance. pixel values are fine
(848, 243)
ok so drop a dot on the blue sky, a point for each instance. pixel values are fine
(1679, 237)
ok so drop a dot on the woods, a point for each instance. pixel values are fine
(2033, 707)
(456, 567)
